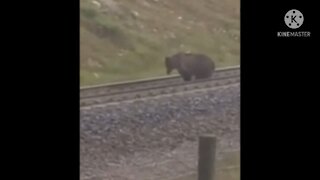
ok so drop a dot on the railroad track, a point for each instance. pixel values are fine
(152, 87)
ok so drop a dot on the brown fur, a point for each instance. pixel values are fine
(189, 64)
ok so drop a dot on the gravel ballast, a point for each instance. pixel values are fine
(136, 133)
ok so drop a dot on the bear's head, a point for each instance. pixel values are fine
(172, 62)
(169, 64)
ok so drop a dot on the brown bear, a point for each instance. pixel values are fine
(190, 64)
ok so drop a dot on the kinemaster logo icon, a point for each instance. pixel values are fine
(294, 20)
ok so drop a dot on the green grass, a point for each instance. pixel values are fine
(116, 45)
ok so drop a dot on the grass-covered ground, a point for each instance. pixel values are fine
(128, 39)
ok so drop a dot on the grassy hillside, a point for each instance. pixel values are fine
(128, 39)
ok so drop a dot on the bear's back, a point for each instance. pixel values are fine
(196, 63)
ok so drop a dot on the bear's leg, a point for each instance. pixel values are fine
(203, 75)
(185, 75)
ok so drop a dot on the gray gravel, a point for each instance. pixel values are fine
(112, 135)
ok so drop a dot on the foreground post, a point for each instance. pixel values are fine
(206, 161)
